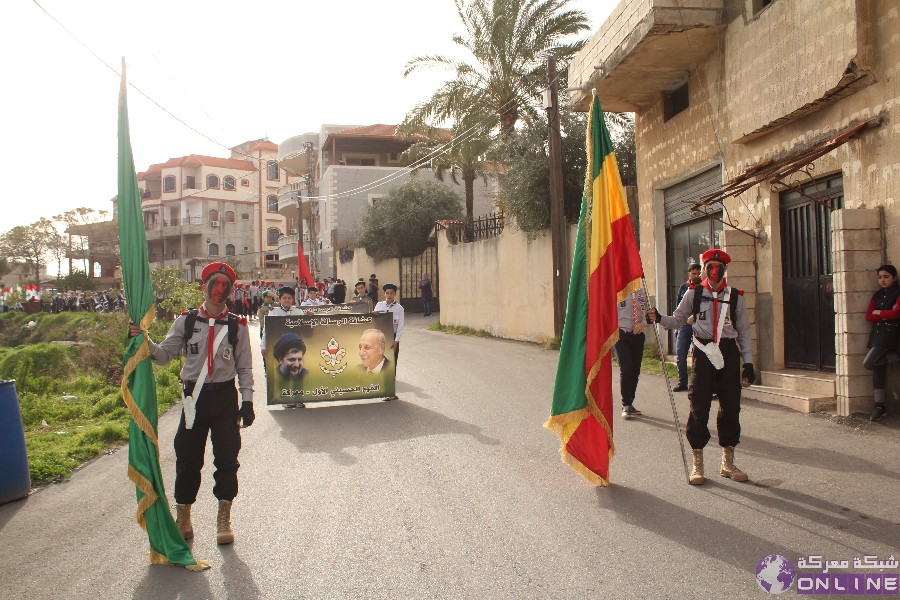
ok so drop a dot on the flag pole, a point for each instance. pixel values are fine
(662, 359)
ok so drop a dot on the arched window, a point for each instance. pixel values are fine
(213, 249)
(273, 203)
(229, 250)
(273, 236)
(169, 183)
(272, 170)
(228, 183)
(213, 215)
(212, 182)
(229, 216)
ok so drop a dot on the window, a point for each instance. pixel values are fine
(189, 182)
(245, 216)
(272, 171)
(214, 215)
(675, 101)
(228, 183)
(229, 250)
(213, 249)
(212, 182)
(273, 235)
(229, 216)
(245, 183)
(361, 162)
(272, 203)
(169, 183)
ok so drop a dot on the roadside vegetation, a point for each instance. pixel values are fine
(67, 369)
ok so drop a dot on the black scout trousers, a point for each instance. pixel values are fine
(217, 417)
(629, 350)
(706, 380)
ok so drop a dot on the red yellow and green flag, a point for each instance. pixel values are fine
(606, 268)
(167, 546)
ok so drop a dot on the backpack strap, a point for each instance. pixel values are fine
(733, 301)
(232, 329)
(190, 317)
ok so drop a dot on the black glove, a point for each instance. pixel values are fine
(748, 373)
(652, 316)
(246, 413)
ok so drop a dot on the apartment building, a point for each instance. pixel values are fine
(201, 208)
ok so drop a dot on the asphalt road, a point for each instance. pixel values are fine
(456, 491)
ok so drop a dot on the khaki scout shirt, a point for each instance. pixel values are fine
(228, 361)
(706, 320)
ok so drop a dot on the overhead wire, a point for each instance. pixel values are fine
(486, 124)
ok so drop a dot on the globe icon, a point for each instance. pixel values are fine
(775, 574)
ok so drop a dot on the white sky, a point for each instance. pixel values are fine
(235, 71)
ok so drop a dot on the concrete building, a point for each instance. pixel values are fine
(201, 208)
(769, 128)
(354, 167)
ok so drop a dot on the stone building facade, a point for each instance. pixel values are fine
(770, 128)
(201, 208)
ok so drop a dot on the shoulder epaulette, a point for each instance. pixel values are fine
(740, 292)
(184, 312)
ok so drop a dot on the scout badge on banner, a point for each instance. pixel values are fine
(325, 357)
(606, 268)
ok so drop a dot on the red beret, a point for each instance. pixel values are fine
(217, 267)
(715, 254)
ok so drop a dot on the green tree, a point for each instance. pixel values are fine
(30, 243)
(525, 185)
(399, 223)
(76, 280)
(509, 41)
(459, 152)
(178, 295)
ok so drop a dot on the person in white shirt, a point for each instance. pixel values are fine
(390, 304)
(313, 298)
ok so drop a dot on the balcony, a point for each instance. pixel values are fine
(645, 47)
(287, 246)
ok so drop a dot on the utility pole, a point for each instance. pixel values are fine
(558, 244)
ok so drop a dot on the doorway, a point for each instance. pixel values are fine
(809, 332)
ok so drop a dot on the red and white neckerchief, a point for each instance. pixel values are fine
(212, 332)
(715, 314)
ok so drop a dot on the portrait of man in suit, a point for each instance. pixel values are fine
(371, 351)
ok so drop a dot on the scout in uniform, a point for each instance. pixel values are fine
(285, 308)
(390, 304)
(722, 342)
(630, 348)
(212, 408)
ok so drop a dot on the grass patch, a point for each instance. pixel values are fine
(550, 344)
(69, 396)
(458, 330)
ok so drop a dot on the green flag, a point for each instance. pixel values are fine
(167, 546)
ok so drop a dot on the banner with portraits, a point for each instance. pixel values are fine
(330, 355)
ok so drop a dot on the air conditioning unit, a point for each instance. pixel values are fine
(293, 232)
(214, 223)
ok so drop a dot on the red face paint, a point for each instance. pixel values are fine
(218, 289)
(715, 271)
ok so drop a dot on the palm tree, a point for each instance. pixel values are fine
(509, 41)
(458, 152)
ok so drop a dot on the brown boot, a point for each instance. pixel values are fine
(728, 468)
(224, 534)
(697, 477)
(183, 520)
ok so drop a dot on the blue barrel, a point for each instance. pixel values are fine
(15, 479)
